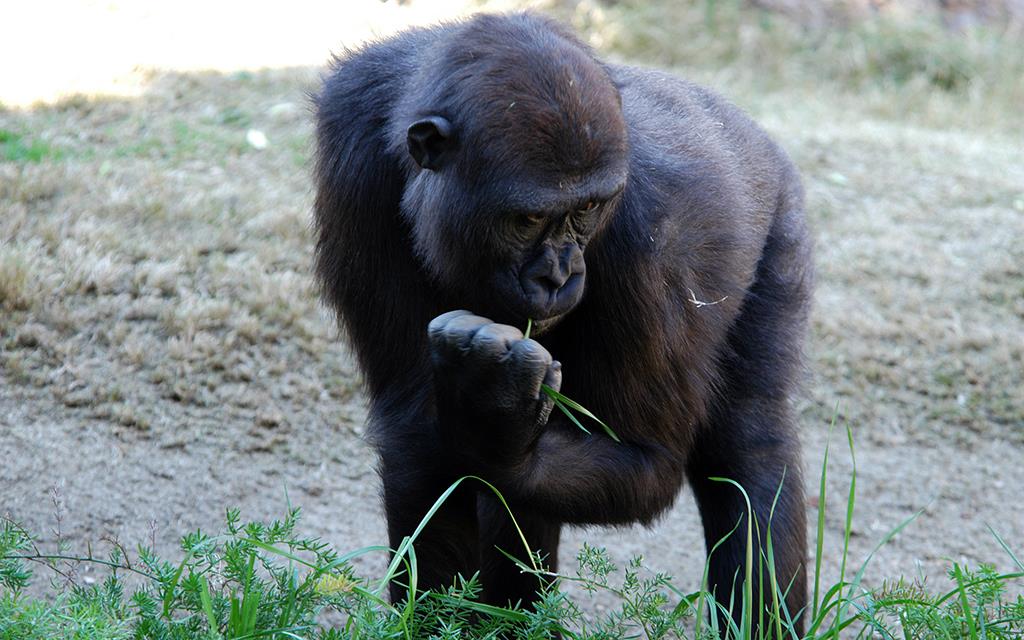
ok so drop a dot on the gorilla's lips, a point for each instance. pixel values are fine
(544, 299)
(546, 310)
(516, 298)
(546, 295)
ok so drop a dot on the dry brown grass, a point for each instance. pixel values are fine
(903, 65)
(158, 241)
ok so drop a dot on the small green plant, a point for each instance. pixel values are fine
(259, 580)
(13, 148)
(564, 403)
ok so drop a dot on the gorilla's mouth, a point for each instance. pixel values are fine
(540, 327)
(516, 302)
(546, 302)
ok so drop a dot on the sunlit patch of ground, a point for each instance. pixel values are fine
(56, 48)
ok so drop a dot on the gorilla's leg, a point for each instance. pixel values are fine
(740, 445)
(750, 436)
(448, 544)
(502, 580)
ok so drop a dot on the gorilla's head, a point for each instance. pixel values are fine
(518, 153)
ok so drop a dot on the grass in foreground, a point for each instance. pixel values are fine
(261, 580)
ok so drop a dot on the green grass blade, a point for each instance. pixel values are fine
(525, 568)
(847, 529)
(564, 403)
(820, 531)
(280, 552)
(515, 523)
(568, 414)
(250, 599)
(704, 580)
(373, 597)
(234, 617)
(830, 601)
(965, 606)
(888, 538)
(403, 548)
(773, 580)
(747, 618)
(572, 404)
(207, 602)
(410, 602)
(169, 596)
(1006, 547)
(486, 609)
(340, 560)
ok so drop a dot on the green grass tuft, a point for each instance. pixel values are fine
(14, 148)
(258, 580)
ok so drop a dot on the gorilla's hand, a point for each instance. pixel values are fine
(487, 378)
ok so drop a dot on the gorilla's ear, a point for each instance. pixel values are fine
(428, 139)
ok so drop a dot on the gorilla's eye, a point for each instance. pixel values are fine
(590, 206)
(532, 219)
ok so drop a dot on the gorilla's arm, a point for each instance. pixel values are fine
(489, 406)
(593, 479)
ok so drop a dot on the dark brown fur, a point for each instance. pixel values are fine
(686, 341)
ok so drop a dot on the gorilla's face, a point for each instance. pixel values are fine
(514, 178)
(541, 268)
(508, 245)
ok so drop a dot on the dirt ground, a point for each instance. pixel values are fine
(163, 356)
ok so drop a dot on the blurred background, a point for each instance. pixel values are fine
(163, 355)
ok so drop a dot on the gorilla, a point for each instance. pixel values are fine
(476, 176)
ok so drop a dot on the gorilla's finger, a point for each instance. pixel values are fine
(553, 378)
(437, 325)
(492, 342)
(459, 332)
(527, 366)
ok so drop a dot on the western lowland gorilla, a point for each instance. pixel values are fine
(474, 176)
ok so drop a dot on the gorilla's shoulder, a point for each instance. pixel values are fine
(665, 100)
(682, 124)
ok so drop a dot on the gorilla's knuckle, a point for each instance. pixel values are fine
(435, 329)
(531, 353)
(460, 331)
(437, 326)
(553, 377)
(488, 337)
(488, 333)
(467, 323)
(489, 343)
(508, 332)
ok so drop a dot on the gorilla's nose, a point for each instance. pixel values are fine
(553, 292)
(542, 289)
(554, 283)
(554, 280)
(556, 269)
